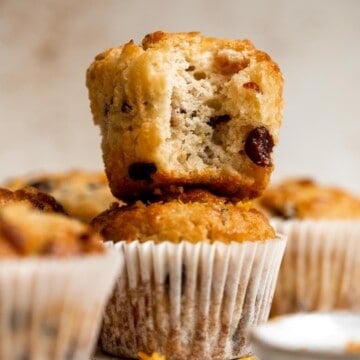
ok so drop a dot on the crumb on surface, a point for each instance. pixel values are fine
(352, 347)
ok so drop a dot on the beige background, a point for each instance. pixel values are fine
(46, 46)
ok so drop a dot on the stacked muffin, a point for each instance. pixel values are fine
(321, 268)
(188, 126)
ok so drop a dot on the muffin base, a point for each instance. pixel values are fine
(190, 300)
(51, 308)
(321, 266)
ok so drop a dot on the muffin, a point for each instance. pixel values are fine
(55, 278)
(83, 194)
(320, 270)
(303, 198)
(198, 274)
(32, 197)
(184, 110)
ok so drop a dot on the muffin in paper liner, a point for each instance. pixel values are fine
(190, 300)
(321, 266)
(51, 308)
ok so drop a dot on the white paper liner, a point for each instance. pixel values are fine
(190, 301)
(321, 266)
(52, 308)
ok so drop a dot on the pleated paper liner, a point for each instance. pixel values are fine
(190, 301)
(321, 266)
(52, 308)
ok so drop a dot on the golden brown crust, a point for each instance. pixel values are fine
(31, 197)
(190, 220)
(182, 194)
(130, 190)
(186, 110)
(195, 195)
(83, 194)
(25, 231)
(304, 198)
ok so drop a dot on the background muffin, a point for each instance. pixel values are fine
(320, 269)
(83, 194)
(25, 232)
(186, 110)
(55, 278)
(31, 197)
(303, 198)
(198, 274)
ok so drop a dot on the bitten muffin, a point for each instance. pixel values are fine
(320, 269)
(200, 271)
(301, 198)
(186, 110)
(55, 279)
(83, 194)
(32, 197)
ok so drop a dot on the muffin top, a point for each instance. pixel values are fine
(306, 199)
(192, 217)
(25, 231)
(83, 194)
(31, 197)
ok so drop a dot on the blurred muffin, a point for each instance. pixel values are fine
(83, 194)
(24, 232)
(184, 110)
(199, 272)
(305, 199)
(55, 278)
(32, 198)
(320, 270)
